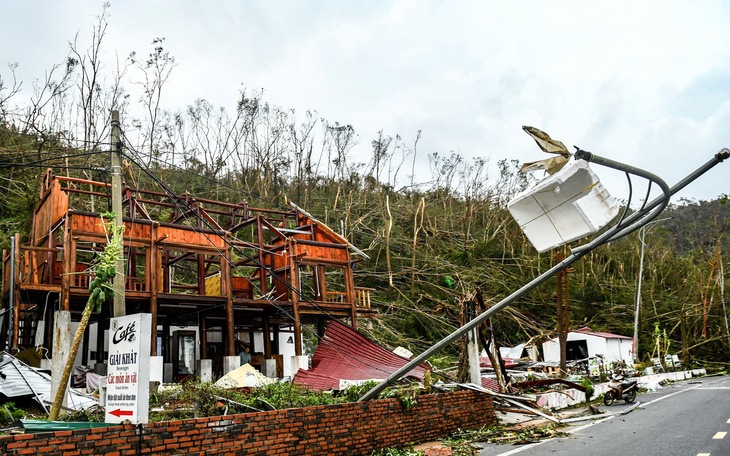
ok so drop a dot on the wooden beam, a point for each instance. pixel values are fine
(271, 228)
(295, 306)
(153, 260)
(243, 224)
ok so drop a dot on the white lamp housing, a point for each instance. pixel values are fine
(563, 207)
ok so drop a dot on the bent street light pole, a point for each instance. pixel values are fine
(642, 234)
(630, 224)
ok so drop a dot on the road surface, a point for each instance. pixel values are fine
(686, 418)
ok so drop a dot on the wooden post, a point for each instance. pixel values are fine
(262, 268)
(166, 342)
(203, 337)
(350, 287)
(294, 267)
(201, 274)
(227, 291)
(267, 337)
(152, 284)
(563, 316)
(320, 327)
(275, 343)
(68, 253)
(251, 341)
(166, 273)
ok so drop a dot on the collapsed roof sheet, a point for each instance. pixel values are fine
(18, 379)
(345, 354)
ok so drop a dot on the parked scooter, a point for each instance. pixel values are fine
(618, 389)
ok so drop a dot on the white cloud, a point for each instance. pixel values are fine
(622, 79)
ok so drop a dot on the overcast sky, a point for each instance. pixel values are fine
(647, 83)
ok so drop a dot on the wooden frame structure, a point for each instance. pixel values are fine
(264, 270)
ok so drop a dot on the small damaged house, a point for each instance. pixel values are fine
(585, 343)
(212, 274)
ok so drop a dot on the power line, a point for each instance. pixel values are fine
(9, 164)
(45, 137)
(209, 179)
(277, 205)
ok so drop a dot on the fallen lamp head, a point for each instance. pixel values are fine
(566, 205)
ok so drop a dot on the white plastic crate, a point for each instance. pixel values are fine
(563, 207)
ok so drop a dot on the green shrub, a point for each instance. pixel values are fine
(586, 383)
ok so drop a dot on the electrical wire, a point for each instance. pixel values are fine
(280, 206)
(209, 179)
(7, 164)
(44, 137)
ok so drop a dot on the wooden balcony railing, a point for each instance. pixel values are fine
(335, 296)
(37, 266)
(83, 279)
(362, 296)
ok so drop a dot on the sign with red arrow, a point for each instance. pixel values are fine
(128, 373)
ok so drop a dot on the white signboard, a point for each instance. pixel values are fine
(128, 373)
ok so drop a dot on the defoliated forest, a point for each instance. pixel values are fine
(433, 238)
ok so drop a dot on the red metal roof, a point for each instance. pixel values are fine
(490, 384)
(484, 361)
(605, 335)
(345, 354)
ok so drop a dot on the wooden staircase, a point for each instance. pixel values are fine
(28, 324)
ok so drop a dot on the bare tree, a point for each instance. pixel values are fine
(156, 70)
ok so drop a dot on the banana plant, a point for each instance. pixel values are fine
(100, 289)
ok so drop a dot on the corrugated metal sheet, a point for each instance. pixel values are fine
(490, 384)
(346, 354)
(18, 379)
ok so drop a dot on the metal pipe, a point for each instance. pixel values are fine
(575, 256)
(648, 213)
(719, 157)
(11, 300)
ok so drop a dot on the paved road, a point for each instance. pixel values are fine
(687, 418)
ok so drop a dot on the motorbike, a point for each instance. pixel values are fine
(619, 389)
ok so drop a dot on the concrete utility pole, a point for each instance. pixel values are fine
(642, 234)
(119, 279)
(475, 375)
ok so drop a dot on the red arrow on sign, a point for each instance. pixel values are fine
(119, 412)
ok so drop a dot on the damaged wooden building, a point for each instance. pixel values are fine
(213, 275)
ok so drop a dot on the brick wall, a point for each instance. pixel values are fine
(353, 429)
